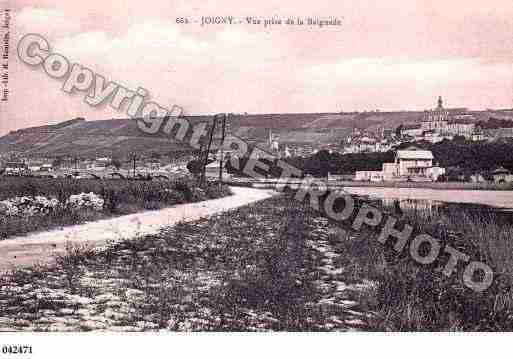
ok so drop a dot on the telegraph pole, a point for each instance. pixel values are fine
(200, 159)
(205, 162)
(133, 159)
(221, 160)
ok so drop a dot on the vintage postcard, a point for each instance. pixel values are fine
(273, 166)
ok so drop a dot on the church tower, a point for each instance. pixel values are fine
(436, 119)
(440, 102)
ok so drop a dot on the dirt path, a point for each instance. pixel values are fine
(40, 247)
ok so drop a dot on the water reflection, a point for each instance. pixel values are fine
(398, 207)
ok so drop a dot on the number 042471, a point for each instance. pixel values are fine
(16, 349)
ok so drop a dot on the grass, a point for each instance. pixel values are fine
(412, 297)
(256, 268)
(274, 265)
(120, 196)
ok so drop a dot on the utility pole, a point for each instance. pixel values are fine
(133, 158)
(200, 159)
(205, 161)
(221, 160)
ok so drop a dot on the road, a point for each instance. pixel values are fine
(40, 247)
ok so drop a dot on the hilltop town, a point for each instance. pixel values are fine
(117, 148)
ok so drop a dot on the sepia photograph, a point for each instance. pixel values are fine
(275, 166)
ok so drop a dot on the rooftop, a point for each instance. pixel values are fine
(415, 126)
(501, 170)
(415, 154)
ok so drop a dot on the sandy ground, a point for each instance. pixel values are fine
(41, 247)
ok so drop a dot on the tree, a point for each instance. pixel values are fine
(57, 162)
(155, 155)
(459, 138)
(116, 163)
(195, 166)
(398, 130)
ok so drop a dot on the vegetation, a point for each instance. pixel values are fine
(463, 157)
(494, 123)
(474, 156)
(118, 196)
(411, 297)
(256, 268)
(274, 265)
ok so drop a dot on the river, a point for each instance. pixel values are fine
(497, 199)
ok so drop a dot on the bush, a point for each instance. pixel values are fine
(38, 198)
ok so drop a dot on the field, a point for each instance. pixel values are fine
(275, 265)
(35, 204)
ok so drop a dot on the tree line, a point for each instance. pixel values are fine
(459, 156)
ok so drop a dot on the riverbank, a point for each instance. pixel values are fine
(488, 186)
(295, 182)
(263, 267)
(271, 266)
(499, 199)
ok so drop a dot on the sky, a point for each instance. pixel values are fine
(387, 55)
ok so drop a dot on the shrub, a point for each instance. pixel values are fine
(85, 200)
(45, 200)
(28, 206)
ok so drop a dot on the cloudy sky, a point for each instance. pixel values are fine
(391, 55)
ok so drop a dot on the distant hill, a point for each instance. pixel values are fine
(83, 138)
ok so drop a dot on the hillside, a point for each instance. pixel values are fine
(120, 136)
(85, 139)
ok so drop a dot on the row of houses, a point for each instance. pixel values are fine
(444, 124)
(441, 124)
(434, 126)
(362, 141)
(101, 164)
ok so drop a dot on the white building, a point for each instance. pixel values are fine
(16, 169)
(100, 164)
(412, 130)
(411, 163)
(389, 171)
(369, 176)
(502, 175)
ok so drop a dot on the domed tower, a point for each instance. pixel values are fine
(436, 119)
(440, 103)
